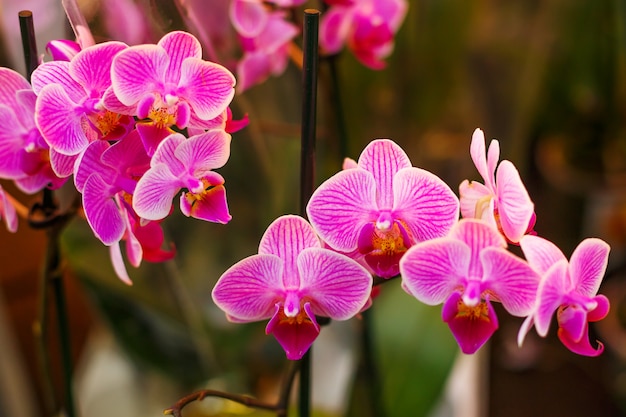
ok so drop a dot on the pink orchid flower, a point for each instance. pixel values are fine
(570, 289)
(291, 281)
(174, 87)
(503, 200)
(265, 43)
(382, 207)
(186, 163)
(106, 176)
(7, 211)
(24, 155)
(69, 111)
(467, 270)
(367, 27)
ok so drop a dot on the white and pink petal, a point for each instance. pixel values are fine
(337, 286)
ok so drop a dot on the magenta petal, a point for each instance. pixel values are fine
(337, 286)
(540, 253)
(91, 67)
(131, 85)
(424, 202)
(252, 69)
(601, 310)
(470, 327)
(10, 82)
(248, 17)
(295, 337)
(432, 270)
(582, 346)
(384, 158)
(62, 49)
(152, 135)
(340, 207)
(286, 237)
(573, 321)
(166, 153)
(154, 193)
(60, 122)
(513, 202)
(57, 72)
(550, 296)
(334, 29)
(204, 152)
(478, 235)
(211, 205)
(89, 162)
(207, 87)
(588, 264)
(62, 165)
(179, 46)
(512, 281)
(102, 212)
(249, 290)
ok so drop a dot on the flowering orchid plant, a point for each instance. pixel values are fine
(130, 141)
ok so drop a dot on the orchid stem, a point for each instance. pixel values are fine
(309, 106)
(307, 161)
(29, 43)
(371, 374)
(342, 130)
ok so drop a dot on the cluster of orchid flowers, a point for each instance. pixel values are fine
(381, 217)
(133, 126)
(136, 125)
(366, 27)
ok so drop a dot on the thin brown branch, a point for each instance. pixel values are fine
(176, 409)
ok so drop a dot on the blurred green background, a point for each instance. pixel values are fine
(545, 78)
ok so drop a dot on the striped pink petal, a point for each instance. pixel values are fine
(588, 264)
(340, 207)
(337, 286)
(383, 158)
(286, 237)
(249, 290)
(424, 202)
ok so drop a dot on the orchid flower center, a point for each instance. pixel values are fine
(107, 122)
(478, 312)
(162, 117)
(383, 243)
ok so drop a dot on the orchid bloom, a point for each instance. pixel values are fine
(503, 200)
(265, 37)
(368, 28)
(186, 163)
(290, 281)
(24, 155)
(174, 87)
(570, 289)
(69, 111)
(382, 207)
(467, 270)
